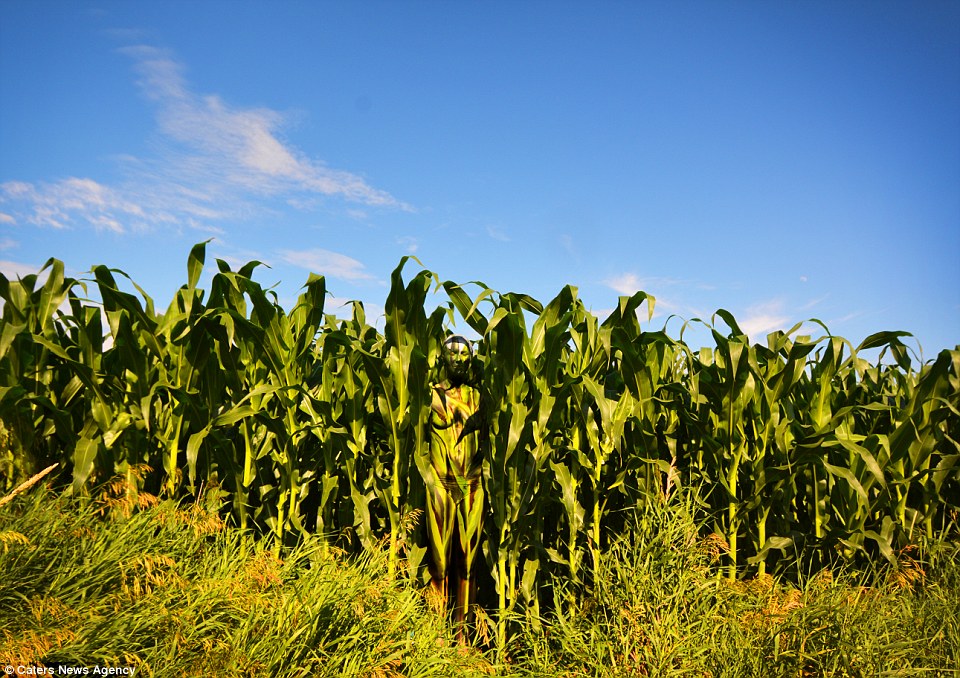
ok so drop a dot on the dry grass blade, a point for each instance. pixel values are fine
(27, 484)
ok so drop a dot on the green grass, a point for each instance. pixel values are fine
(662, 607)
(173, 592)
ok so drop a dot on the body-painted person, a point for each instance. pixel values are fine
(455, 495)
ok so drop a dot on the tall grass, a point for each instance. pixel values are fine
(661, 607)
(174, 592)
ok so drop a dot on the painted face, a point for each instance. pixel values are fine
(457, 354)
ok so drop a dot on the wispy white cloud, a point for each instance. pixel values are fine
(629, 283)
(814, 302)
(666, 304)
(672, 306)
(498, 234)
(845, 318)
(327, 263)
(241, 146)
(7, 244)
(61, 203)
(568, 245)
(215, 161)
(16, 269)
(763, 318)
(409, 243)
(626, 283)
(602, 313)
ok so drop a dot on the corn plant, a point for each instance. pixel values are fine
(800, 451)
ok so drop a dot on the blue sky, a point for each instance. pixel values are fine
(781, 160)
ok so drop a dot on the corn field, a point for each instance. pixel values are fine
(800, 450)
